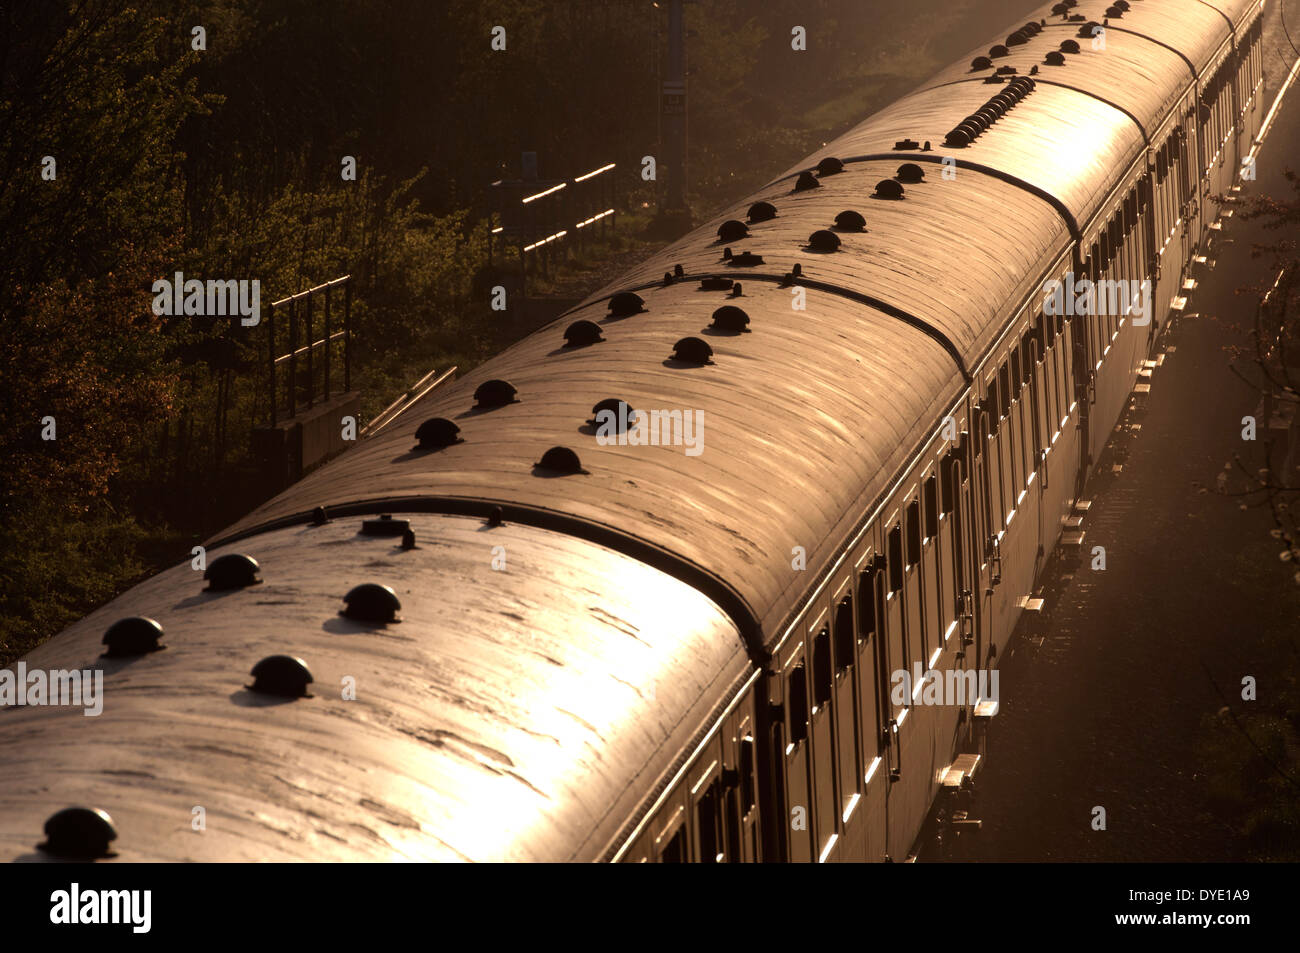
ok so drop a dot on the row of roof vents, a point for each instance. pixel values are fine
(969, 128)
(87, 833)
(437, 433)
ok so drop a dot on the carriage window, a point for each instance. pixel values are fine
(989, 407)
(1016, 379)
(895, 559)
(932, 506)
(823, 678)
(913, 533)
(866, 603)
(747, 773)
(798, 704)
(675, 850)
(844, 633)
(951, 474)
(706, 816)
(1004, 391)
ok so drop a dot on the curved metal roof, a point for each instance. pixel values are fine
(1037, 141)
(1140, 77)
(830, 400)
(511, 715)
(1002, 236)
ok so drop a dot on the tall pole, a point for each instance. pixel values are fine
(674, 105)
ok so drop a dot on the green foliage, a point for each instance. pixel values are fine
(57, 564)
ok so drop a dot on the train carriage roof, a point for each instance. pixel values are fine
(806, 419)
(511, 715)
(952, 253)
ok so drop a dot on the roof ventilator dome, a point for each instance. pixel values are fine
(232, 571)
(82, 833)
(824, 240)
(625, 304)
(693, 351)
(560, 460)
(761, 212)
(829, 166)
(494, 393)
(438, 432)
(730, 318)
(851, 221)
(806, 181)
(135, 635)
(581, 334)
(371, 602)
(282, 675)
(732, 230)
(623, 414)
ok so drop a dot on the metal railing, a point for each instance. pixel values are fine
(308, 350)
(536, 216)
(417, 392)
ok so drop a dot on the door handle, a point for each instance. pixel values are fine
(967, 617)
(996, 568)
(895, 753)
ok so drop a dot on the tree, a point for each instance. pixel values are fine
(1270, 475)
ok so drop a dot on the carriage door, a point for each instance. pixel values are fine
(954, 501)
(984, 523)
(1188, 172)
(795, 757)
(824, 754)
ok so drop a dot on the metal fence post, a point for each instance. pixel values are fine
(293, 359)
(347, 336)
(270, 328)
(329, 345)
(311, 346)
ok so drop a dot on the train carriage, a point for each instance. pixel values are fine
(866, 436)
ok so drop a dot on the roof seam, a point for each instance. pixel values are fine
(723, 594)
(804, 281)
